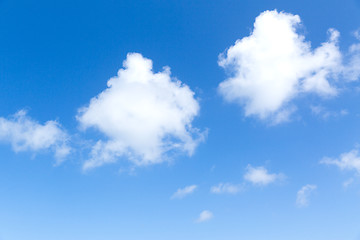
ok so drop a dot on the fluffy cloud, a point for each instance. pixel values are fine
(346, 161)
(25, 134)
(275, 64)
(226, 188)
(183, 192)
(260, 176)
(144, 116)
(205, 216)
(302, 197)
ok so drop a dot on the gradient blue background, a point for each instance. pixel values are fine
(56, 55)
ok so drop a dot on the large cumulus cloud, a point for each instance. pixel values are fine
(275, 63)
(144, 116)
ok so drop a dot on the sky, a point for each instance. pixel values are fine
(180, 120)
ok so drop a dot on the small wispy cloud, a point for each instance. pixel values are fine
(348, 182)
(226, 188)
(204, 216)
(302, 197)
(325, 113)
(183, 192)
(26, 134)
(346, 161)
(261, 176)
(352, 71)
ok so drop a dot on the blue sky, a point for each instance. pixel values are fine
(180, 120)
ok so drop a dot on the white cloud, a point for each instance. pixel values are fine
(226, 188)
(25, 134)
(260, 176)
(205, 216)
(183, 192)
(346, 161)
(144, 115)
(302, 197)
(275, 64)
